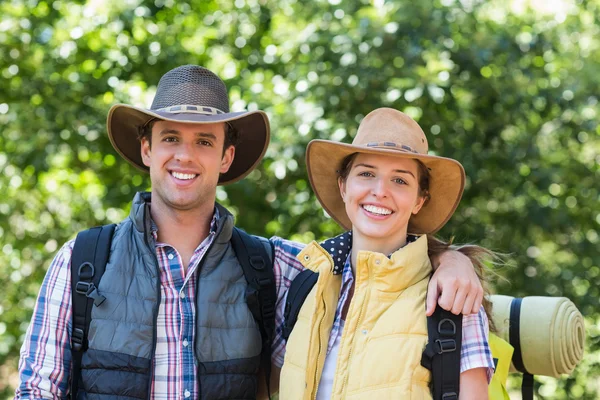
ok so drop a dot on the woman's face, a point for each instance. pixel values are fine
(381, 193)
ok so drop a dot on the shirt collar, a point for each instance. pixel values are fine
(340, 248)
(213, 224)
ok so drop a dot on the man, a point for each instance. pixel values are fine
(175, 322)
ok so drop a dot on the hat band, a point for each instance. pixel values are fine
(190, 109)
(401, 147)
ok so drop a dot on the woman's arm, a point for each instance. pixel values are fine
(454, 284)
(474, 384)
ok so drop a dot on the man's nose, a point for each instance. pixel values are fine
(184, 152)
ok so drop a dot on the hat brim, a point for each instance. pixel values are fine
(446, 184)
(124, 122)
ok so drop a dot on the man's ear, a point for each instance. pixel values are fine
(227, 159)
(342, 186)
(146, 151)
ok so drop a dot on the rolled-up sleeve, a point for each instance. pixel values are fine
(475, 350)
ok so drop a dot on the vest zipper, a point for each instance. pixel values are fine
(317, 378)
(318, 372)
(360, 315)
(151, 245)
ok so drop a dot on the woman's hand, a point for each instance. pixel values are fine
(454, 285)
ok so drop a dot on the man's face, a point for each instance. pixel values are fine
(185, 161)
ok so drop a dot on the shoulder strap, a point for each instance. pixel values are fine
(88, 262)
(257, 264)
(297, 293)
(442, 353)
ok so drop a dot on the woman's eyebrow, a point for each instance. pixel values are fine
(401, 171)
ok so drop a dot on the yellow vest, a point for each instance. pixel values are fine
(502, 352)
(384, 334)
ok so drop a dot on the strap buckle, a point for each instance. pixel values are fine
(446, 327)
(445, 345)
(257, 262)
(450, 396)
(90, 291)
(77, 339)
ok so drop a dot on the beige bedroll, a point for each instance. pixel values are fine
(550, 332)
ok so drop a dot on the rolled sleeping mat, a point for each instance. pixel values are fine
(548, 333)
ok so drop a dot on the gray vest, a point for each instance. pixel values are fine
(122, 334)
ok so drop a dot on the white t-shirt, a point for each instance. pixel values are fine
(326, 382)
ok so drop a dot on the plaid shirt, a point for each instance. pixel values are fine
(45, 363)
(475, 351)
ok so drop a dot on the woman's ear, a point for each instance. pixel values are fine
(419, 204)
(342, 186)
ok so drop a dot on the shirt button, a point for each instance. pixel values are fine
(182, 295)
(170, 256)
(187, 394)
(185, 343)
(377, 261)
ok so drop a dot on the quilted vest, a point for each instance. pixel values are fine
(122, 334)
(385, 330)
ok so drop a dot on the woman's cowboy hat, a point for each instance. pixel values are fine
(196, 95)
(389, 132)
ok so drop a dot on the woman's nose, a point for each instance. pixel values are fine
(379, 188)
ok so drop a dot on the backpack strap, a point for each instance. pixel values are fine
(261, 296)
(442, 353)
(297, 293)
(88, 262)
(515, 340)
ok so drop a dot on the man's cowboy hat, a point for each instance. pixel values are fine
(196, 95)
(389, 132)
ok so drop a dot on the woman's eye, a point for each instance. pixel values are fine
(400, 181)
(365, 173)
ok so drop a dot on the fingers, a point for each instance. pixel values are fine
(469, 301)
(449, 290)
(478, 301)
(432, 296)
(460, 297)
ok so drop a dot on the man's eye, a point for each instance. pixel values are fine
(170, 139)
(205, 143)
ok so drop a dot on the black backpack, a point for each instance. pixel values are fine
(441, 355)
(88, 262)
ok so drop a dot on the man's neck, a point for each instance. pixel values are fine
(184, 230)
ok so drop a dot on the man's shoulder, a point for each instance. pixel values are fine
(286, 246)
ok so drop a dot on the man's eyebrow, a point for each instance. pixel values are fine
(206, 135)
(401, 171)
(168, 131)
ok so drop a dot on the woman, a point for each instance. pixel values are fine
(349, 342)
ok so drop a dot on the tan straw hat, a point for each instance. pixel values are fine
(389, 132)
(196, 95)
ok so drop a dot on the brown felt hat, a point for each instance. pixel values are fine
(389, 132)
(191, 94)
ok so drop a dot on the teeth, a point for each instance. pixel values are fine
(179, 175)
(377, 210)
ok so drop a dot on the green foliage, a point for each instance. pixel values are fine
(508, 88)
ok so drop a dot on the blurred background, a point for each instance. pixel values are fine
(508, 87)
